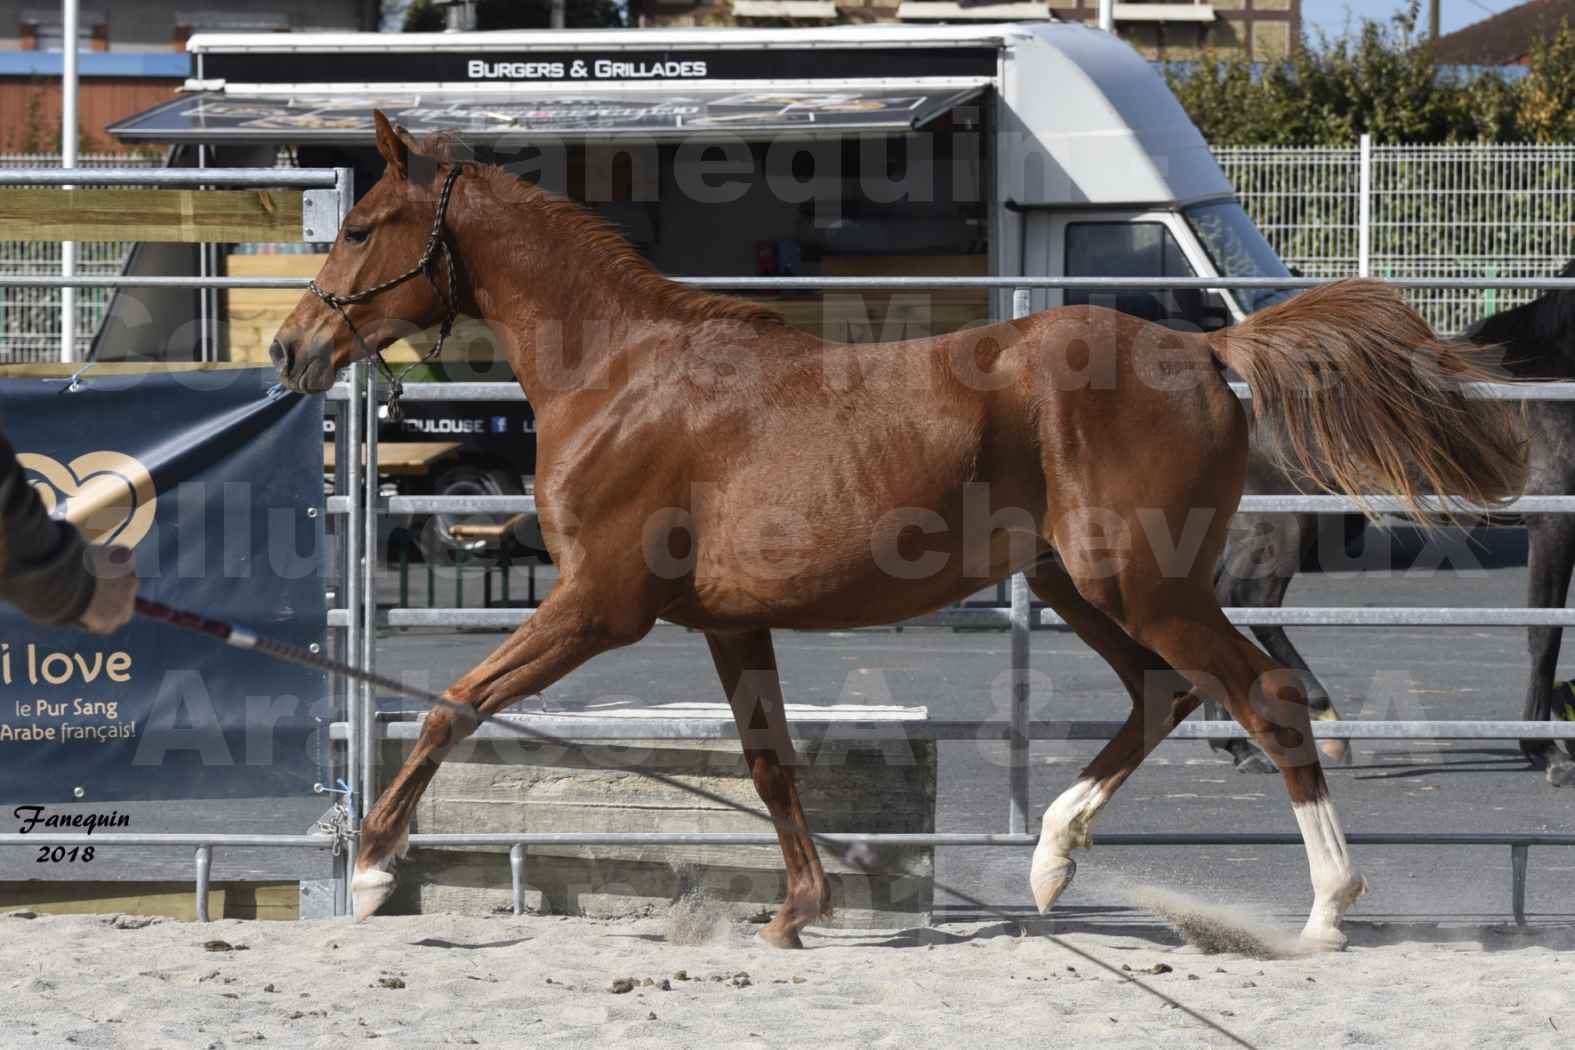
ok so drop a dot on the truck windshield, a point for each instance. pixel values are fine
(1238, 250)
(1139, 249)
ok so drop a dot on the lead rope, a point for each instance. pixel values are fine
(437, 241)
(860, 855)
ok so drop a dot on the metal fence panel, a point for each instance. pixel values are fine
(1436, 211)
(30, 317)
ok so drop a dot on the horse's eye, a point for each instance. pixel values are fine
(357, 234)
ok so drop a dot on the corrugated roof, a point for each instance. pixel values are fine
(1505, 38)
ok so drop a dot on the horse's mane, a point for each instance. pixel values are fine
(593, 235)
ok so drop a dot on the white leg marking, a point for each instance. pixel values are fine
(1064, 827)
(374, 882)
(1336, 882)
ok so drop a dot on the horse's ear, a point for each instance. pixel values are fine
(394, 149)
(407, 138)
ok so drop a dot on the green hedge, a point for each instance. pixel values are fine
(1381, 79)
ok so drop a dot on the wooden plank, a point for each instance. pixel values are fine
(186, 216)
(227, 900)
(169, 899)
(262, 900)
(403, 457)
(256, 313)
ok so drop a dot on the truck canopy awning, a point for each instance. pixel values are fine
(674, 112)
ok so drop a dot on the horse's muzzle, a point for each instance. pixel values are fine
(304, 371)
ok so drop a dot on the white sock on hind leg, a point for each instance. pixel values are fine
(1065, 826)
(1335, 880)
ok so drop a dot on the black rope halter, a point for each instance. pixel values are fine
(437, 241)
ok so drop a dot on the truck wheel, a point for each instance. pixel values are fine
(437, 544)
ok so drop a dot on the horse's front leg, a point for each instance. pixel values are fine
(1551, 560)
(747, 665)
(571, 626)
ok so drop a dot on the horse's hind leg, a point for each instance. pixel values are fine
(747, 665)
(1160, 699)
(570, 627)
(1179, 620)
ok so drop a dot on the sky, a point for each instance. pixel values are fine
(1331, 16)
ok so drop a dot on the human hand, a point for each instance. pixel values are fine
(114, 589)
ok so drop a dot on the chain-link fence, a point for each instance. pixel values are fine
(30, 317)
(1435, 211)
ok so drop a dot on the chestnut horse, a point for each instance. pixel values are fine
(703, 463)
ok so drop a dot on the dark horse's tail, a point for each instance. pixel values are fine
(1361, 397)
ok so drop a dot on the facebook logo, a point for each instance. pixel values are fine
(500, 424)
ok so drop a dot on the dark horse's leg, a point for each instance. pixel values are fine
(747, 666)
(569, 628)
(1262, 554)
(1160, 699)
(1551, 559)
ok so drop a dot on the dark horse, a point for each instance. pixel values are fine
(704, 463)
(1538, 342)
(1263, 552)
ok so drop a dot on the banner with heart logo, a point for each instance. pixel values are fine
(212, 479)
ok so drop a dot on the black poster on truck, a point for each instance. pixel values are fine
(215, 481)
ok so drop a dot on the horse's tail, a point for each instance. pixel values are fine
(1364, 398)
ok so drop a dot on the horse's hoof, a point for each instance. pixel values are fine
(779, 937)
(1049, 878)
(1336, 751)
(1323, 939)
(1561, 771)
(369, 889)
(1255, 761)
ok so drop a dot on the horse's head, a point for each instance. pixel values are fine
(382, 238)
(1537, 338)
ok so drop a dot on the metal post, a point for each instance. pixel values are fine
(348, 451)
(355, 745)
(369, 556)
(343, 649)
(1017, 769)
(68, 159)
(1107, 15)
(1364, 208)
(1519, 860)
(204, 865)
(517, 876)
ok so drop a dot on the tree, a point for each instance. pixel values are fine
(1547, 95)
(1379, 79)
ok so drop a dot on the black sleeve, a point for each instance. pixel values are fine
(42, 571)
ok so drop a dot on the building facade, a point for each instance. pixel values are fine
(1260, 30)
(132, 56)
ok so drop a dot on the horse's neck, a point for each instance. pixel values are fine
(563, 315)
